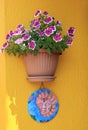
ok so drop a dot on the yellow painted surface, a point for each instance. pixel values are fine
(3, 113)
(71, 84)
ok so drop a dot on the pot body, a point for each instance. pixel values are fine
(42, 64)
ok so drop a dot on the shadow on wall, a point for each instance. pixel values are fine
(19, 90)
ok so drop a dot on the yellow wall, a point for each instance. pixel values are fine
(71, 84)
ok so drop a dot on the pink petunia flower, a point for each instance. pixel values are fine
(32, 45)
(37, 13)
(8, 37)
(70, 35)
(69, 41)
(17, 32)
(5, 45)
(26, 38)
(48, 20)
(11, 33)
(48, 32)
(71, 31)
(57, 37)
(53, 28)
(45, 13)
(18, 41)
(58, 23)
(41, 33)
(23, 31)
(36, 23)
(20, 26)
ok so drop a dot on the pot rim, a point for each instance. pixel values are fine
(45, 51)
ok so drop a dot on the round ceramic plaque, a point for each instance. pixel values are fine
(43, 105)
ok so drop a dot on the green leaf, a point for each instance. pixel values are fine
(48, 50)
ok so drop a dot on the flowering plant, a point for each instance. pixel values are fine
(44, 33)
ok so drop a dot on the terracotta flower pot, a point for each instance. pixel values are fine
(41, 67)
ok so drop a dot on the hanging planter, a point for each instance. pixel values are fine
(41, 67)
(41, 46)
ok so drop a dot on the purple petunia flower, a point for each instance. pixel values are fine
(41, 33)
(37, 13)
(48, 32)
(58, 23)
(19, 40)
(17, 32)
(57, 37)
(26, 38)
(53, 28)
(5, 45)
(8, 37)
(48, 20)
(71, 31)
(32, 45)
(45, 13)
(70, 35)
(11, 33)
(32, 22)
(20, 26)
(69, 41)
(36, 23)
(23, 31)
